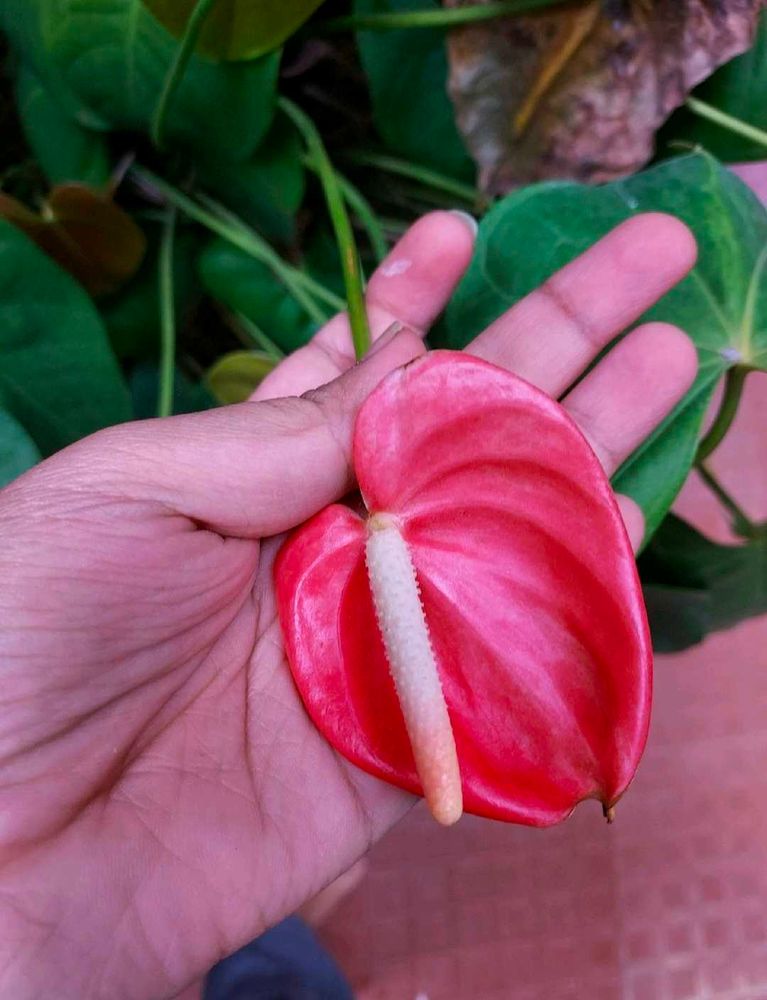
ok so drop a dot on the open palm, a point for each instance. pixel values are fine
(163, 795)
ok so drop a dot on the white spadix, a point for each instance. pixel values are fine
(411, 659)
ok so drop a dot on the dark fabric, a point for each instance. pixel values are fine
(285, 963)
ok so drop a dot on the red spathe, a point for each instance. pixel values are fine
(528, 583)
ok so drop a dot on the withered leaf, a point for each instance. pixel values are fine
(85, 232)
(578, 91)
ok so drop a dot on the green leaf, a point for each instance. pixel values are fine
(18, 452)
(249, 287)
(188, 396)
(58, 376)
(267, 189)
(65, 150)
(234, 376)
(694, 586)
(407, 76)
(530, 234)
(107, 61)
(737, 89)
(237, 29)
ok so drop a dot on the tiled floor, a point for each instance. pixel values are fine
(670, 903)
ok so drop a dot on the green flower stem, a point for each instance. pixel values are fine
(350, 261)
(301, 286)
(433, 18)
(178, 67)
(413, 171)
(167, 315)
(367, 217)
(359, 204)
(733, 390)
(743, 522)
(729, 122)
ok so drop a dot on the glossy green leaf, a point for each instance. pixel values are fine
(65, 150)
(237, 29)
(407, 77)
(722, 304)
(107, 61)
(265, 190)
(738, 89)
(694, 586)
(18, 452)
(58, 376)
(249, 287)
(234, 376)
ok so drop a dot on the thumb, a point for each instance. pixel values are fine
(253, 469)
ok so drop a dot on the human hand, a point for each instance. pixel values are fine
(163, 795)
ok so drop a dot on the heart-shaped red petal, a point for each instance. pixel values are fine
(528, 586)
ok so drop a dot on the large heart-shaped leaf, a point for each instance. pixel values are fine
(18, 452)
(694, 586)
(738, 89)
(237, 29)
(106, 63)
(722, 304)
(58, 375)
(65, 150)
(529, 623)
(407, 77)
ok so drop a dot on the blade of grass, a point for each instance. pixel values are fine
(167, 315)
(350, 261)
(413, 171)
(178, 67)
(304, 289)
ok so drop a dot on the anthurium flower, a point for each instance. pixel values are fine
(478, 636)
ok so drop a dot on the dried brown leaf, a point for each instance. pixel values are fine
(85, 232)
(578, 91)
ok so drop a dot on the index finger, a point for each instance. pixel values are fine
(411, 287)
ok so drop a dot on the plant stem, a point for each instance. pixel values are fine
(743, 522)
(350, 261)
(729, 122)
(413, 171)
(361, 207)
(733, 389)
(433, 18)
(167, 315)
(304, 289)
(177, 68)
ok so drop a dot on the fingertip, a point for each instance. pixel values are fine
(421, 271)
(680, 356)
(663, 237)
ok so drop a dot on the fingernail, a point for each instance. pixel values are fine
(386, 338)
(468, 220)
